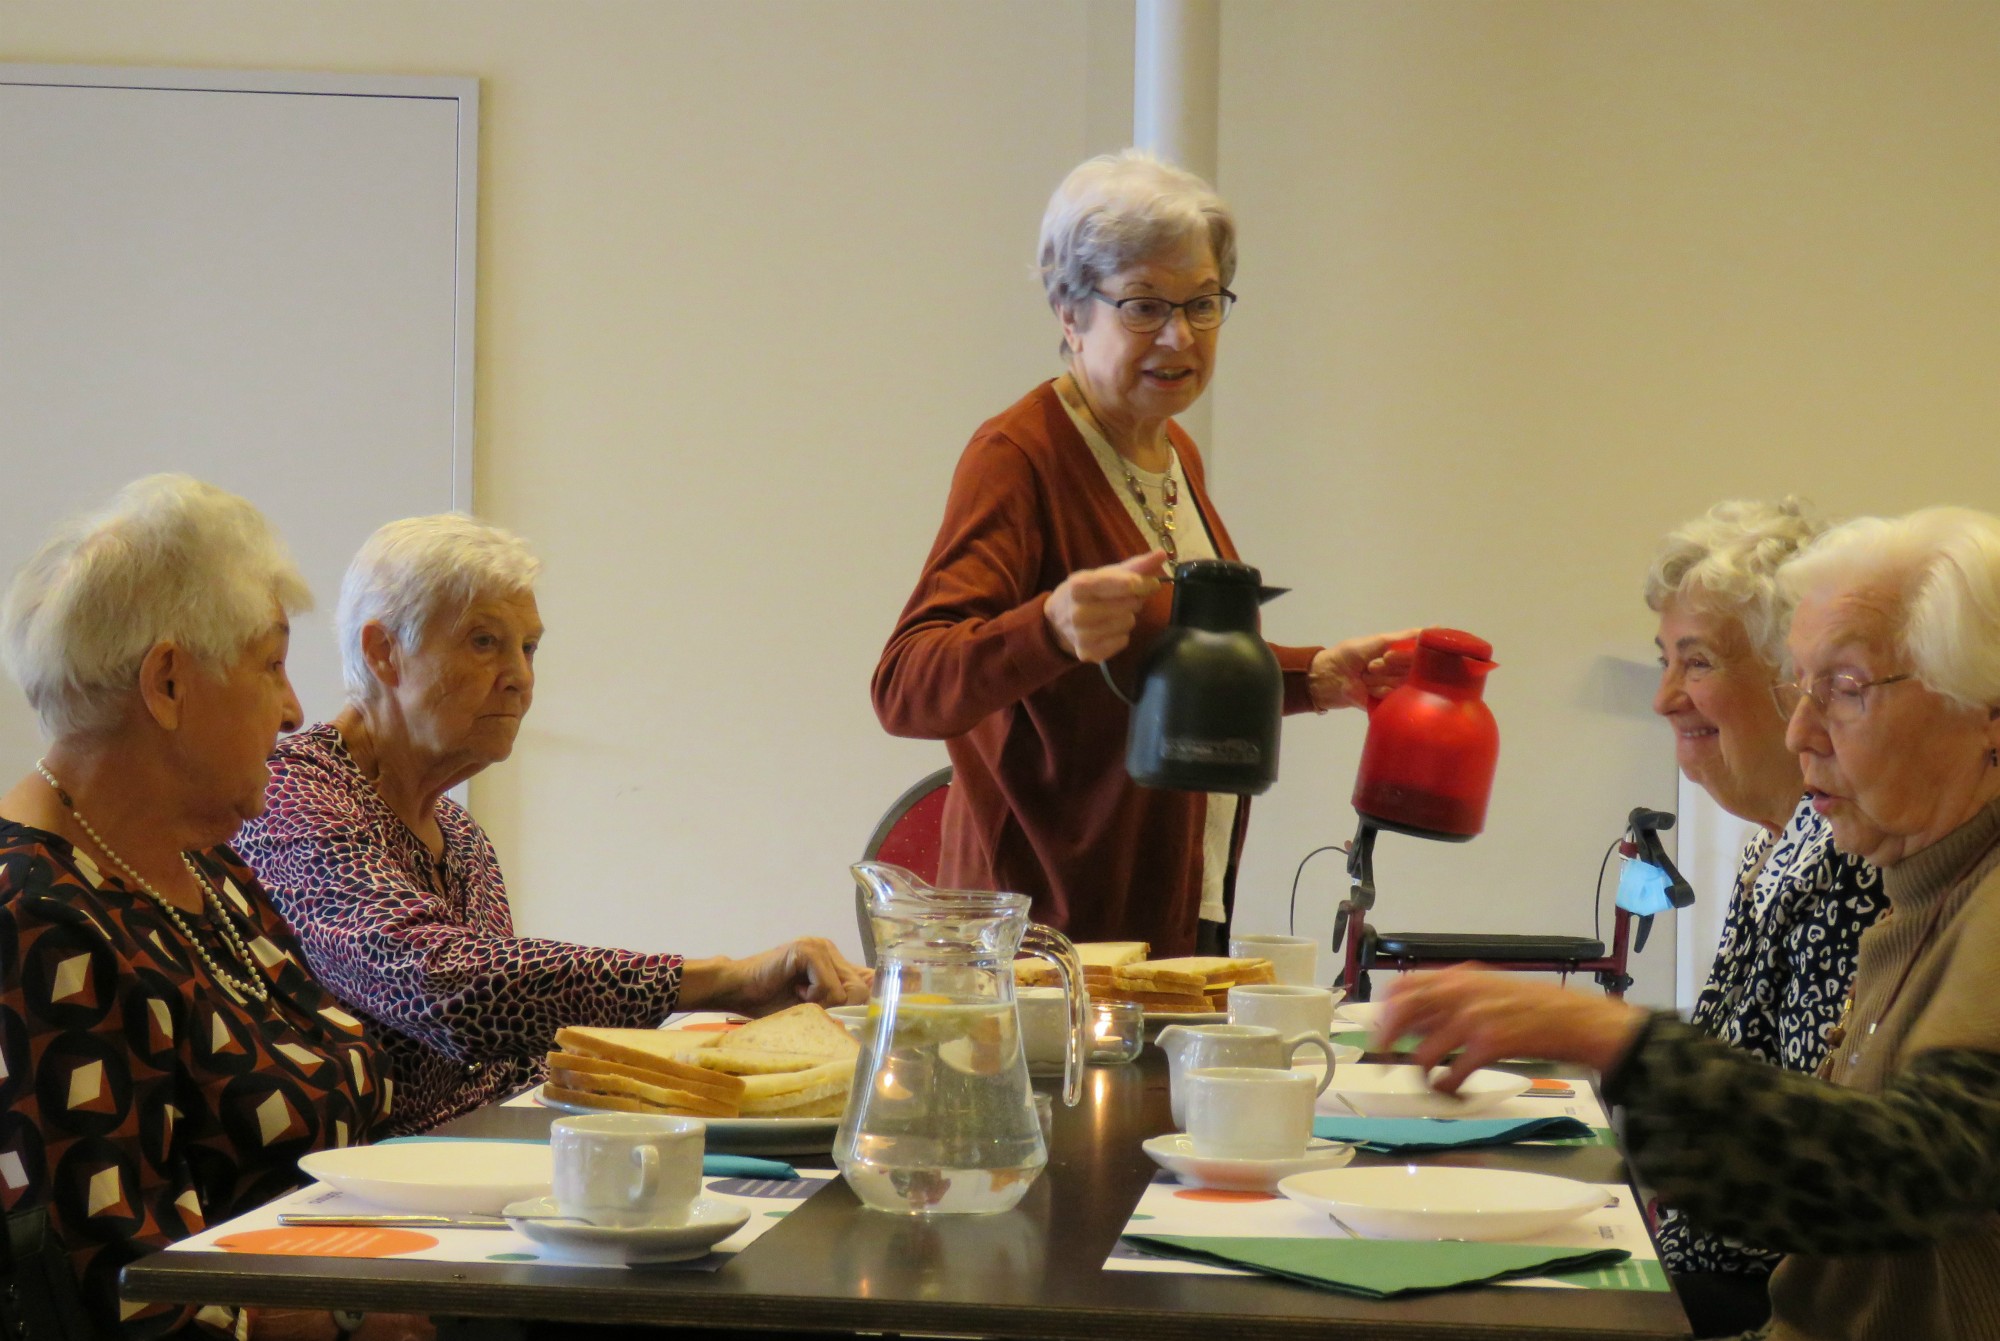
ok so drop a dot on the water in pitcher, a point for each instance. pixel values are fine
(951, 1124)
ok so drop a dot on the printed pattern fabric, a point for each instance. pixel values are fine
(140, 1099)
(423, 947)
(1787, 955)
(1811, 1167)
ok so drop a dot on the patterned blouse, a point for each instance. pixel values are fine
(140, 1098)
(423, 947)
(1780, 979)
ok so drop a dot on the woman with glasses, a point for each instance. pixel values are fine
(1879, 1177)
(1066, 511)
(1796, 914)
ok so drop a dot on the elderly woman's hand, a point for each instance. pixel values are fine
(1496, 1015)
(1094, 609)
(807, 969)
(1349, 674)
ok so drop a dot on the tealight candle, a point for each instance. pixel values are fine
(1117, 1031)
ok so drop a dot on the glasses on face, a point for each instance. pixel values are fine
(1143, 316)
(1841, 695)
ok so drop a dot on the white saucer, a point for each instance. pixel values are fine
(1440, 1202)
(710, 1221)
(1174, 1152)
(1399, 1090)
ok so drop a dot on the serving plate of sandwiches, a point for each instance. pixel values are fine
(775, 1085)
(1187, 989)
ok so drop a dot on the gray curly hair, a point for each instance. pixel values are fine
(169, 560)
(1726, 561)
(1117, 210)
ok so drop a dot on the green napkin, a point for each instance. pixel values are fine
(1386, 1136)
(1379, 1268)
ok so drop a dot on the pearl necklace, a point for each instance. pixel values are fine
(252, 986)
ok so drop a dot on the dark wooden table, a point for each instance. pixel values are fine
(1035, 1271)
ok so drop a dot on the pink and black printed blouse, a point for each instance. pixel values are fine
(141, 1100)
(423, 948)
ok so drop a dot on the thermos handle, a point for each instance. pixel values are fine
(1052, 945)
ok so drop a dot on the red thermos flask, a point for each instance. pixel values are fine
(1427, 766)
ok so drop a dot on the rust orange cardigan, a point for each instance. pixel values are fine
(1040, 801)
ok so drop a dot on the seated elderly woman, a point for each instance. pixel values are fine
(1796, 915)
(167, 1057)
(1063, 513)
(394, 890)
(1880, 1177)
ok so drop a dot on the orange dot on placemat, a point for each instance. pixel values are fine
(712, 1027)
(1220, 1194)
(328, 1241)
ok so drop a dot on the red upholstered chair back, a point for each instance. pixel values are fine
(909, 835)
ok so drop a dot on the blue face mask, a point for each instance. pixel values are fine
(1642, 889)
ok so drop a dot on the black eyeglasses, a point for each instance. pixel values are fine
(1841, 695)
(1143, 316)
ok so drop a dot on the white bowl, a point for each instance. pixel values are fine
(440, 1177)
(1175, 1153)
(1377, 1089)
(1416, 1201)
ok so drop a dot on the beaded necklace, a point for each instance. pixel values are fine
(253, 985)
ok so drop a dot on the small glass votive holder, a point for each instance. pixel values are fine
(1116, 1032)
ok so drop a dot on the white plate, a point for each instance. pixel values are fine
(1356, 1014)
(1175, 1153)
(710, 1221)
(769, 1135)
(1186, 1016)
(1377, 1089)
(1412, 1201)
(441, 1177)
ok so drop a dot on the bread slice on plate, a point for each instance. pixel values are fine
(1193, 973)
(802, 1031)
(694, 1079)
(655, 1098)
(1101, 959)
(783, 1093)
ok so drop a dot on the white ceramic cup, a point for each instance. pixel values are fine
(1249, 1112)
(1044, 1026)
(1287, 1008)
(1295, 959)
(1191, 1047)
(627, 1169)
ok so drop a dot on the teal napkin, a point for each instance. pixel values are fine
(1379, 1268)
(1391, 1136)
(715, 1166)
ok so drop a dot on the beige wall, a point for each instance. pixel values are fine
(1525, 284)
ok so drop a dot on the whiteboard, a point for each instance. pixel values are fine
(263, 280)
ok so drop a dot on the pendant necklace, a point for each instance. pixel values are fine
(253, 985)
(1161, 524)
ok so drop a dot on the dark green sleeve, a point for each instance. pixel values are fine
(1796, 1164)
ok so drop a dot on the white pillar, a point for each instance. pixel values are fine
(1176, 73)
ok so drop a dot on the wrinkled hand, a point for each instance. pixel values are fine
(1093, 611)
(807, 969)
(1496, 1015)
(1349, 674)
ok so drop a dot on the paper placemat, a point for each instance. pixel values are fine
(258, 1231)
(1168, 1207)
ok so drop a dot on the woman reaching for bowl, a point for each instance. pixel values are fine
(1879, 1177)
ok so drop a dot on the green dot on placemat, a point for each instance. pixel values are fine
(776, 1215)
(514, 1257)
(1141, 1217)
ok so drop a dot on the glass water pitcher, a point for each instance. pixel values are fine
(941, 1120)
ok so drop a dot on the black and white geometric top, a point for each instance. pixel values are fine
(1779, 982)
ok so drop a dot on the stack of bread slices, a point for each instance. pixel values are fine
(1194, 984)
(797, 1063)
(1101, 962)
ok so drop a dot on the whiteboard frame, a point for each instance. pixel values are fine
(461, 90)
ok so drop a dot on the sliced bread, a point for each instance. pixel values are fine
(697, 1079)
(803, 1030)
(597, 1087)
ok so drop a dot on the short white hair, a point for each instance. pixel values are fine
(1944, 566)
(169, 560)
(413, 573)
(1726, 561)
(1118, 210)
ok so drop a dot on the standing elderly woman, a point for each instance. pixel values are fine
(165, 1057)
(397, 895)
(1880, 1178)
(1798, 909)
(1062, 514)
